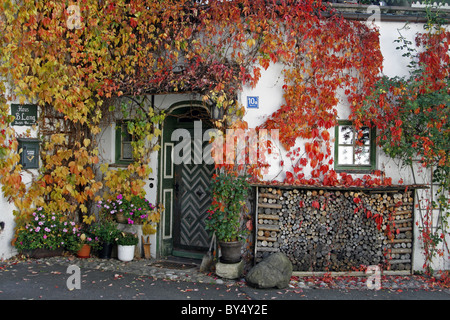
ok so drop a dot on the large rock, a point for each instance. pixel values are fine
(275, 271)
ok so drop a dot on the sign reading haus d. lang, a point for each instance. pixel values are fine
(25, 114)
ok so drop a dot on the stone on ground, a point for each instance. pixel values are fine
(230, 270)
(275, 271)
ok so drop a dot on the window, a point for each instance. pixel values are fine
(124, 149)
(354, 151)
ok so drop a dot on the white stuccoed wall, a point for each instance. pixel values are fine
(6, 208)
(6, 216)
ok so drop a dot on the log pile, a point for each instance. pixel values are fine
(335, 230)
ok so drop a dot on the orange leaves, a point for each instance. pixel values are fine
(310, 88)
(133, 22)
(125, 48)
(325, 135)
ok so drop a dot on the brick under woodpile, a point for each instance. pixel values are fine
(320, 230)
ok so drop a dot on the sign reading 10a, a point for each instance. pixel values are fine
(253, 102)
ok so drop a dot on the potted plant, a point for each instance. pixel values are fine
(132, 209)
(43, 235)
(126, 244)
(114, 207)
(226, 214)
(80, 240)
(85, 242)
(149, 228)
(84, 250)
(106, 232)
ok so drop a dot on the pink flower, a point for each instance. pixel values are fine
(45, 237)
(119, 196)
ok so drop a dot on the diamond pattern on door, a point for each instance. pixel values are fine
(194, 199)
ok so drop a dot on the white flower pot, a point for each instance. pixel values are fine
(125, 253)
(137, 230)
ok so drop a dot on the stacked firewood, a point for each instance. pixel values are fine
(335, 230)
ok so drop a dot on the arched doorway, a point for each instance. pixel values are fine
(184, 181)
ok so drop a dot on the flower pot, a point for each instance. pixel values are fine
(125, 253)
(137, 230)
(105, 251)
(84, 252)
(120, 218)
(231, 251)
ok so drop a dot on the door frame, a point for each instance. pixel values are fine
(166, 194)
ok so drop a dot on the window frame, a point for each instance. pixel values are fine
(354, 168)
(119, 143)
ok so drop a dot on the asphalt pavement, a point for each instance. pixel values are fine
(57, 282)
(43, 282)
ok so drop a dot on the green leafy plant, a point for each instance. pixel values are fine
(226, 213)
(135, 209)
(106, 231)
(127, 239)
(45, 230)
(78, 237)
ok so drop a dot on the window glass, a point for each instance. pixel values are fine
(354, 149)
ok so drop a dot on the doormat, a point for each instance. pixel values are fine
(173, 265)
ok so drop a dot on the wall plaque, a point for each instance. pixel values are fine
(25, 114)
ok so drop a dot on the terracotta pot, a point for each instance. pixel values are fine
(84, 252)
(231, 251)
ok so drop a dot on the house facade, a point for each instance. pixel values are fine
(183, 186)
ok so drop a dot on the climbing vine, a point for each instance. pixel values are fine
(88, 63)
(411, 115)
(320, 66)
